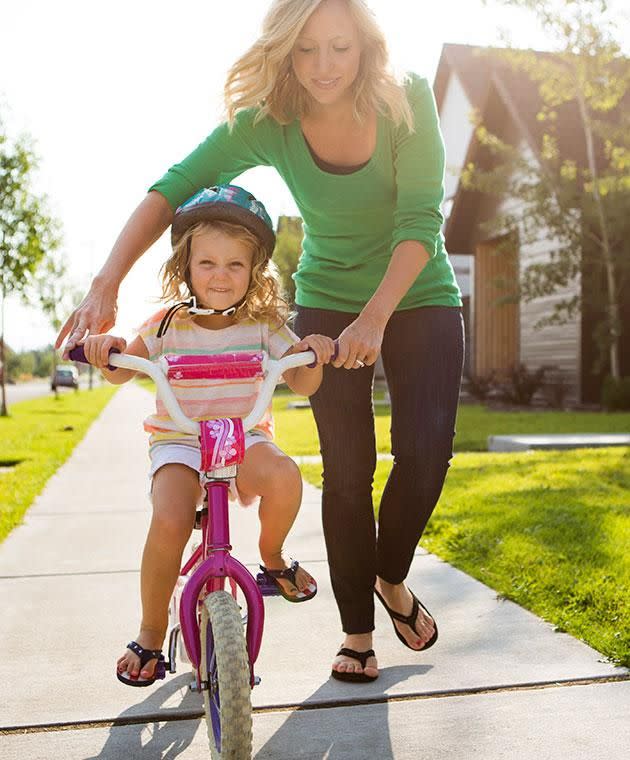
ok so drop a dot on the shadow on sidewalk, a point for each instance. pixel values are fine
(164, 739)
(335, 732)
(329, 732)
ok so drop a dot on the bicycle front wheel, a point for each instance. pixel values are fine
(225, 667)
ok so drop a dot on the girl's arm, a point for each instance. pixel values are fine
(305, 381)
(97, 311)
(97, 348)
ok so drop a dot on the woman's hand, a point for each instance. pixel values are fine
(97, 348)
(95, 314)
(360, 343)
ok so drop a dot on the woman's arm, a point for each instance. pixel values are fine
(419, 166)
(363, 338)
(223, 155)
(97, 311)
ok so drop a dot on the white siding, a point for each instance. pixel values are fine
(557, 345)
(457, 131)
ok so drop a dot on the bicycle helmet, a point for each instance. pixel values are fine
(225, 203)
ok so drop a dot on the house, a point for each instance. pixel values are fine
(502, 334)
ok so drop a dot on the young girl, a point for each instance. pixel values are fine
(222, 243)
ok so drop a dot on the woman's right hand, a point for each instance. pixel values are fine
(98, 347)
(95, 314)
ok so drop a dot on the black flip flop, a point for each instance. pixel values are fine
(362, 657)
(410, 621)
(271, 577)
(145, 656)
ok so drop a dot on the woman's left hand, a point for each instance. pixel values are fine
(360, 343)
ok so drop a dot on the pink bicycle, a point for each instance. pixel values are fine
(207, 616)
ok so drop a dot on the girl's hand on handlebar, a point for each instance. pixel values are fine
(321, 345)
(360, 343)
(95, 314)
(97, 348)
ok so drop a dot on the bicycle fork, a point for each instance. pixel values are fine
(211, 574)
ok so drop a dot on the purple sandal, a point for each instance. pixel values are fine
(145, 655)
(270, 578)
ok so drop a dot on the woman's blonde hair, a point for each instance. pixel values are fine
(263, 300)
(263, 77)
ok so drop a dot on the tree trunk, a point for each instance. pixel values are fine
(609, 264)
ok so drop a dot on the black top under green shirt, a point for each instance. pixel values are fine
(352, 222)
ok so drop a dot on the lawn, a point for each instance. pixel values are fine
(296, 432)
(548, 530)
(36, 439)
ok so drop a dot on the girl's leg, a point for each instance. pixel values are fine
(269, 473)
(175, 495)
(423, 357)
(343, 412)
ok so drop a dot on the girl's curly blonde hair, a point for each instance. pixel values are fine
(263, 77)
(263, 300)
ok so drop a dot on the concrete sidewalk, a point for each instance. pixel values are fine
(499, 683)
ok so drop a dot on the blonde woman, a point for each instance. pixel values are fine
(363, 157)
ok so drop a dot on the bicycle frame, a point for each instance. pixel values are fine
(211, 574)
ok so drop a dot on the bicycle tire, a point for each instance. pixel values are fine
(225, 667)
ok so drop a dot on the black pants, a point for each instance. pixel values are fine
(423, 351)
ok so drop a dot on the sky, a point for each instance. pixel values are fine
(114, 93)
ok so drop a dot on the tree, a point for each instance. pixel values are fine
(287, 252)
(27, 232)
(582, 201)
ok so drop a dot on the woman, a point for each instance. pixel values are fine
(364, 160)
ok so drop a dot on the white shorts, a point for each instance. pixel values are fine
(184, 453)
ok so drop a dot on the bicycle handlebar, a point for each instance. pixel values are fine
(155, 370)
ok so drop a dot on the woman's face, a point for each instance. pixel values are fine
(327, 54)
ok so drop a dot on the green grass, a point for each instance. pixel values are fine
(548, 530)
(296, 432)
(37, 438)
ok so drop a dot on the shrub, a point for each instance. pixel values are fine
(616, 394)
(523, 384)
(480, 386)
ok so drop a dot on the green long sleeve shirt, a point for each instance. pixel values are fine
(352, 222)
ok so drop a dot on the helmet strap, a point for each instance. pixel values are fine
(191, 305)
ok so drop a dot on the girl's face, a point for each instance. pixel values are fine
(327, 54)
(220, 268)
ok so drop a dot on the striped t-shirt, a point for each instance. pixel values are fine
(210, 398)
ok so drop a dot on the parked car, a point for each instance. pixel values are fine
(67, 376)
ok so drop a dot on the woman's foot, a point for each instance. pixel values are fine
(129, 663)
(304, 582)
(399, 598)
(360, 642)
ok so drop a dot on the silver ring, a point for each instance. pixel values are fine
(360, 363)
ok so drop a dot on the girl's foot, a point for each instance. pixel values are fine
(303, 580)
(360, 642)
(399, 598)
(129, 663)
